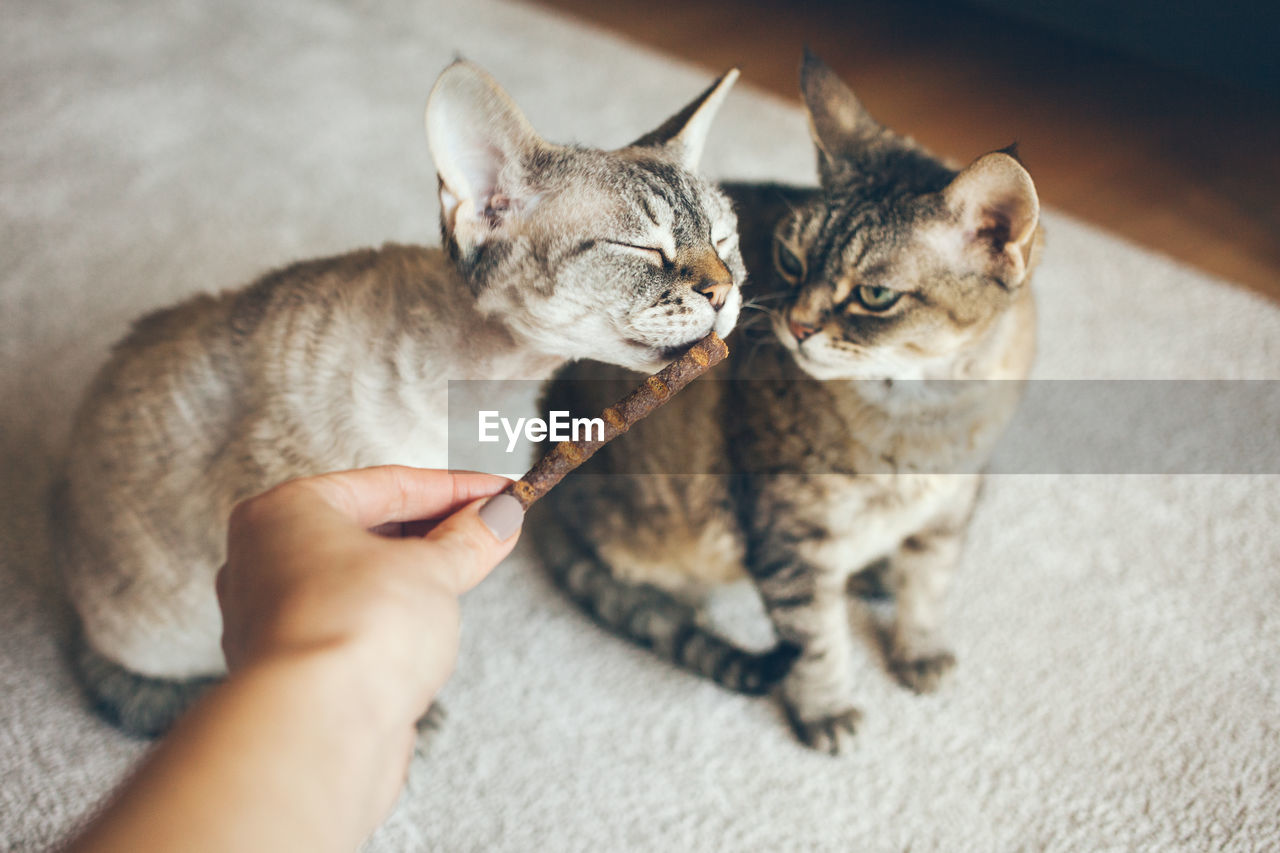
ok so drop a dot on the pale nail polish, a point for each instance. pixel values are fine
(503, 515)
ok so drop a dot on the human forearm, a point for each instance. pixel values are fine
(287, 755)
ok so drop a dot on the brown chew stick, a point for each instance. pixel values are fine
(618, 418)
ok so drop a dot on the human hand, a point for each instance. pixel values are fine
(337, 639)
(305, 574)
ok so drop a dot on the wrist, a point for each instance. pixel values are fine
(358, 743)
(343, 678)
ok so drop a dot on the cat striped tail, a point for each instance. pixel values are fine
(140, 705)
(656, 620)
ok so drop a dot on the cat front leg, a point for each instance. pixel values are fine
(810, 614)
(920, 574)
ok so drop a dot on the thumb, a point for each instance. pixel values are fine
(469, 543)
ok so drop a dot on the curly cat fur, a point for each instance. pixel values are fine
(344, 362)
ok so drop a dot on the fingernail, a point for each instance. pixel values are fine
(503, 515)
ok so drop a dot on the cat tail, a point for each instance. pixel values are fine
(148, 707)
(140, 705)
(656, 620)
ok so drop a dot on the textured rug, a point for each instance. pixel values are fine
(1117, 635)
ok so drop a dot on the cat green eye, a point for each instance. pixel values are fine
(791, 267)
(877, 298)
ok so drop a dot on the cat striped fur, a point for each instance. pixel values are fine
(841, 456)
(655, 619)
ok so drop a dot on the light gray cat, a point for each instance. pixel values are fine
(551, 253)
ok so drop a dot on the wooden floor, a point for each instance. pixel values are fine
(1181, 164)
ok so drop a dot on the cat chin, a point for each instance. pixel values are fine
(819, 370)
(869, 374)
(854, 372)
(650, 358)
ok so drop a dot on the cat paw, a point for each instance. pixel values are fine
(925, 673)
(832, 735)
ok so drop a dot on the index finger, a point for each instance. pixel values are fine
(390, 493)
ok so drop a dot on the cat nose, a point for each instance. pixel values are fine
(802, 331)
(717, 292)
(714, 280)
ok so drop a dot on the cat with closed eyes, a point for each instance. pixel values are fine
(850, 436)
(550, 253)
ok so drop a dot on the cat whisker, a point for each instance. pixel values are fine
(756, 320)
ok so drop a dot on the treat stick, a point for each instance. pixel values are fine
(618, 418)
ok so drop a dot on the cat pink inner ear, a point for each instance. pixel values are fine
(996, 202)
(478, 139)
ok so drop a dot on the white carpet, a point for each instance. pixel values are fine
(1118, 636)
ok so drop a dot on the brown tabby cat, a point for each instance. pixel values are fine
(899, 268)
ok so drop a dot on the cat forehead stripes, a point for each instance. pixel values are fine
(671, 199)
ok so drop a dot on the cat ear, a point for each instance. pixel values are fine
(685, 133)
(995, 203)
(480, 142)
(839, 124)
